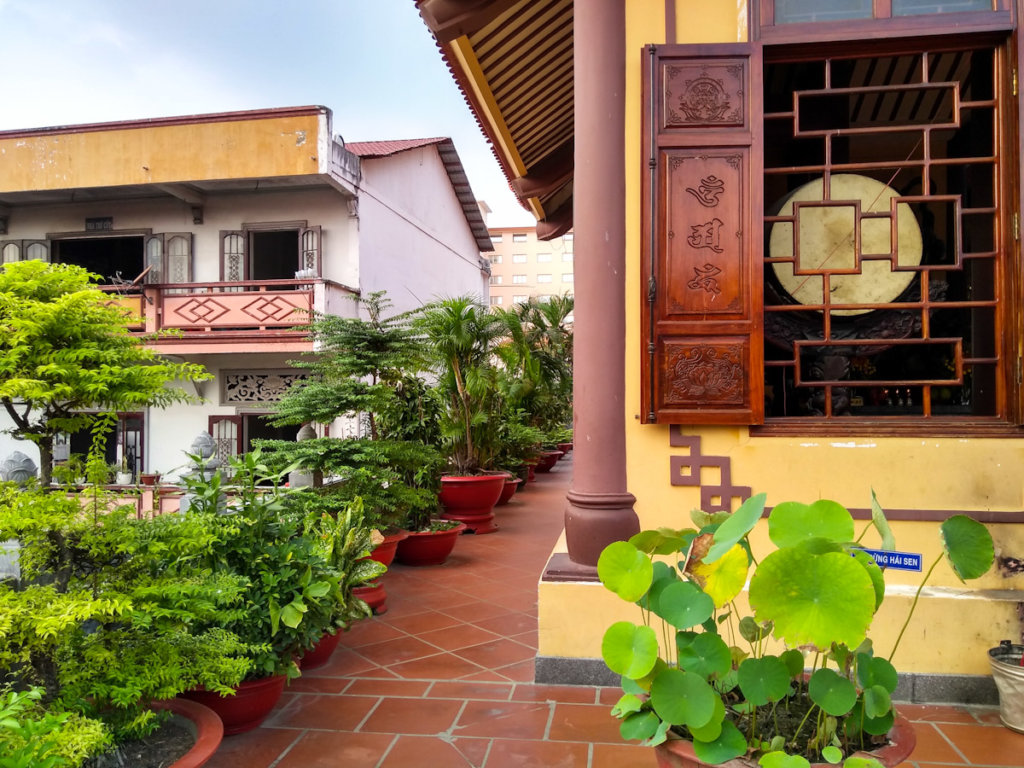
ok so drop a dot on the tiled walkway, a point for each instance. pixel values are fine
(444, 678)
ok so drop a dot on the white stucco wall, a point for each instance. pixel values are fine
(414, 241)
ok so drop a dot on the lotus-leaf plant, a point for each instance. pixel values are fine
(706, 673)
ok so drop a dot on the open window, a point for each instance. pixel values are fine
(124, 446)
(271, 251)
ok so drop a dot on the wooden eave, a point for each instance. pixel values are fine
(513, 62)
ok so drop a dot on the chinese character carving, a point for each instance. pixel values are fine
(704, 277)
(707, 235)
(708, 192)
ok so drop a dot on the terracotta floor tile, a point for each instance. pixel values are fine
(324, 712)
(509, 624)
(584, 722)
(986, 744)
(345, 662)
(457, 636)
(393, 652)
(936, 713)
(497, 653)
(932, 747)
(310, 684)
(609, 695)
(570, 694)
(529, 639)
(510, 720)
(395, 687)
(535, 754)
(255, 749)
(443, 666)
(368, 631)
(488, 676)
(423, 622)
(622, 756)
(475, 750)
(412, 716)
(459, 689)
(523, 672)
(476, 610)
(421, 751)
(328, 749)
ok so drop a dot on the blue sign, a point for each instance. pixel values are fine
(901, 561)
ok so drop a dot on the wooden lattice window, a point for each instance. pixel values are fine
(887, 280)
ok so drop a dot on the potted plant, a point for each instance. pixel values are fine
(292, 594)
(1007, 661)
(100, 621)
(461, 334)
(714, 689)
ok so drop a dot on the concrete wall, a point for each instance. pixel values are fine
(414, 240)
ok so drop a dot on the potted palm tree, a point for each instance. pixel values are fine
(460, 334)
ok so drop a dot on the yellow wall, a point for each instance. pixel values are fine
(954, 625)
(236, 149)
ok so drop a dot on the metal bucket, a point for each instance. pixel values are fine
(1009, 677)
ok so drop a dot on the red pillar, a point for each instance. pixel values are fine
(600, 509)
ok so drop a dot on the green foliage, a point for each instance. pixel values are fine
(289, 564)
(65, 349)
(33, 736)
(719, 686)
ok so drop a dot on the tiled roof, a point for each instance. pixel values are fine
(453, 166)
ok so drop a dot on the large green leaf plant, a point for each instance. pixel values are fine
(698, 668)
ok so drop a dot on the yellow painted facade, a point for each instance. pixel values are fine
(165, 152)
(954, 624)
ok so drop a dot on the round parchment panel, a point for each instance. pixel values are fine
(828, 243)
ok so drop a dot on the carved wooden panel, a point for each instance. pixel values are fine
(699, 373)
(705, 93)
(703, 245)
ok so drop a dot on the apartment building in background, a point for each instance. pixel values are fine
(523, 266)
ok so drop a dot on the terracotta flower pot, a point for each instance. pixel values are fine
(374, 593)
(205, 725)
(428, 547)
(320, 653)
(548, 459)
(470, 499)
(565, 447)
(511, 484)
(249, 707)
(678, 753)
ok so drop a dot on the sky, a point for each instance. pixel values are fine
(372, 62)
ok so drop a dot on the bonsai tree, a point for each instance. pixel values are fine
(714, 678)
(358, 372)
(461, 335)
(65, 349)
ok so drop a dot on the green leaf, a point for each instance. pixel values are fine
(640, 725)
(713, 728)
(832, 692)
(663, 541)
(737, 526)
(729, 744)
(794, 661)
(629, 650)
(275, 616)
(684, 605)
(764, 680)
(881, 524)
(968, 546)
(317, 589)
(877, 702)
(625, 570)
(874, 670)
(874, 573)
(791, 522)
(627, 705)
(813, 599)
(682, 698)
(291, 614)
(782, 760)
(832, 754)
(858, 721)
(706, 654)
(855, 761)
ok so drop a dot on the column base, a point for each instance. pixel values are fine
(595, 520)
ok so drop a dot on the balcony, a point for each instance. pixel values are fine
(251, 316)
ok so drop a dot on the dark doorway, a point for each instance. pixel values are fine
(113, 258)
(273, 255)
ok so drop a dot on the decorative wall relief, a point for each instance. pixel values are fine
(703, 373)
(258, 386)
(686, 471)
(703, 93)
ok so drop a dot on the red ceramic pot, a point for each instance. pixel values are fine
(548, 459)
(565, 447)
(374, 593)
(206, 727)
(470, 499)
(249, 707)
(428, 547)
(511, 483)
(531, 470)
(320, 653)
(678, 753)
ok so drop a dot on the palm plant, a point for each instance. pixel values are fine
(461, 334)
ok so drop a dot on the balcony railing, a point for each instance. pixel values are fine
(263, 307)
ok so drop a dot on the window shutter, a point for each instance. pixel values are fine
(702, 274)
(154, 246)
(309, 251)
(36, 249)
(10, 250)
(233, 261)
(226, 432)
(178, 257)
